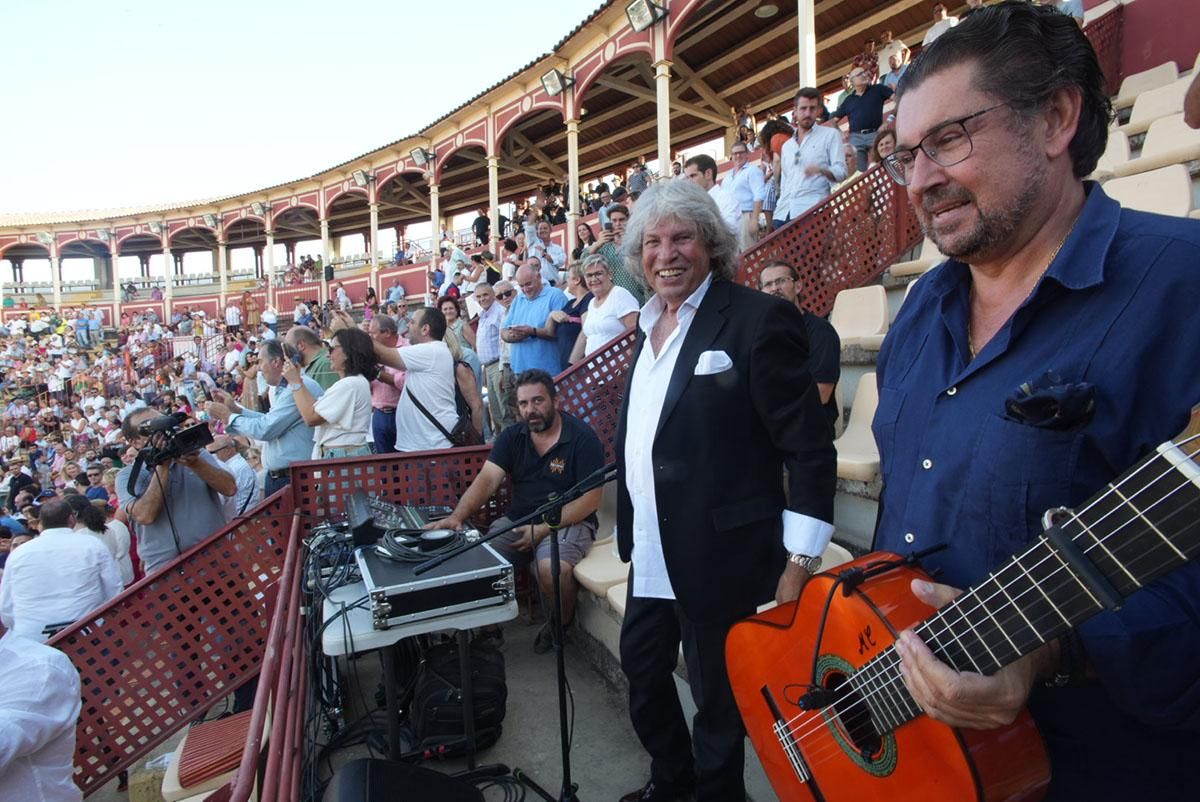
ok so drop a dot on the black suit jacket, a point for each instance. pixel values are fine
(720, 448)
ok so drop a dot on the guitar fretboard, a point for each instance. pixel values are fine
(1142, 526)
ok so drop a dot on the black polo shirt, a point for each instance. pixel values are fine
(865, 110)
(577, 454)
(824, 358)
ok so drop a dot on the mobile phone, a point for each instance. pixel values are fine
(607, 226)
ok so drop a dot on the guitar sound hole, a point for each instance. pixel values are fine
(853, 718)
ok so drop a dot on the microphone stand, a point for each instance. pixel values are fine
(551, 514)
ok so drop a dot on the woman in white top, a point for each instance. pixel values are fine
(612, 311)
(342, 416)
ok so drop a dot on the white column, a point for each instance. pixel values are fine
(56, 274)
(493, 165)
(436, 235)
(374, 244)
(269, 267)
(223, 270)
(326, 257)
(662, 83)
(116, 282)
(806, 20)
(573, 182)
(169, 278)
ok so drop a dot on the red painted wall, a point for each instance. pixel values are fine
(1156, 31)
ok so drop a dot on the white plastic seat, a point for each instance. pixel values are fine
(1195, 214)
(1116, 153)
(928, 257)
(1134, 85)
(839, 425)
(1167, 190)
(1169, 141)
(1161, 102)
(601, 569)
(860, 316)
(616, 598)
(606, 516)
(857, 454)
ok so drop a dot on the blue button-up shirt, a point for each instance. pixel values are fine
(534, 352)
(1117, 309)
(286, 437)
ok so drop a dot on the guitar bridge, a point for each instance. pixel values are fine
(787, 739)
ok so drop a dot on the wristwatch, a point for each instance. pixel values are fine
(810, 564)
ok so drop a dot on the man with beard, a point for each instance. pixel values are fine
(811, 162)
(780, 279)
(1050, 352)
(546, 452)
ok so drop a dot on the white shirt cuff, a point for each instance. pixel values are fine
(805, 535)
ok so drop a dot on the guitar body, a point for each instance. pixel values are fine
(772, 654)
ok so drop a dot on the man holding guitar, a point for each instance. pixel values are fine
(1055, 348)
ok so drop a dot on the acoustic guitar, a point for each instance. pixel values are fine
(818, 683)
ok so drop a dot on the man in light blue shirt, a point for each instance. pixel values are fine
(533, 346)
(395, 293)
(286, 437)
(812, 161)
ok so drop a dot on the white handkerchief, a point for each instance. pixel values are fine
(711, 362)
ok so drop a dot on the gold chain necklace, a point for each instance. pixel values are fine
(971, 295)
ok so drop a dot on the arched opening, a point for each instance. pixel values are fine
(86, 266)
(349, 216)
(245, 238)
(195, 253)
(29, 264)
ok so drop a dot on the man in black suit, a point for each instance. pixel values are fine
(720, 400)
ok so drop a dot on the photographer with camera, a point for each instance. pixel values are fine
(176, 503)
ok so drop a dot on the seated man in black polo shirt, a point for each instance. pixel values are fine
(546, 452)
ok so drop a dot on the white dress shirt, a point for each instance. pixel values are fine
(798, 192)
(39, 704)
(54, 579)
(938, 28)
(647, 391)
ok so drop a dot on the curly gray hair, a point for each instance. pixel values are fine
(687, 202)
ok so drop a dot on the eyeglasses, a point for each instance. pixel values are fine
(777, 282)
(506, 294)
(947, 145)
(595, 275)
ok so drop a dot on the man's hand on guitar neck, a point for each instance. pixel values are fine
(967, 699)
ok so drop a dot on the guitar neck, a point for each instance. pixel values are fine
(1143, 525)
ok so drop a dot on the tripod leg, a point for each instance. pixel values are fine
(468, 695)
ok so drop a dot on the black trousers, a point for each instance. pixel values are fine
(712, 759)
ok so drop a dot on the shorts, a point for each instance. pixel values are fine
(574, 541)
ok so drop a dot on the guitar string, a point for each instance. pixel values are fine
(889, 678)
(894, 681)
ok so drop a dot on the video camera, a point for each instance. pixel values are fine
(168, 439)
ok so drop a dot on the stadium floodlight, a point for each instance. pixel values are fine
(210, 220)
(421, 156)
(156, 227)
(555, 82)
(362, 177)
(644, 13)
(259, 208)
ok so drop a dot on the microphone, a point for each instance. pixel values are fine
(162, 423)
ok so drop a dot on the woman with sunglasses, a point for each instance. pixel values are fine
(342, 416)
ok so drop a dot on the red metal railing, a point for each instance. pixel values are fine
(843, 242)
(171, 646)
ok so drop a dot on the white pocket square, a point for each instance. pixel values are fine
(711, 362)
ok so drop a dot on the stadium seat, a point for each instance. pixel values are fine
(607, 515)
(908, 290)
(1116, 153)
(1160, 102)
(1169, 141)
(601, 569)
(835, 555)
(616, 598)
(839, 425)
(1167, 190)
(1195, 214)
(857, 454)
(928, 257)
(1134, 85)
(860, 316)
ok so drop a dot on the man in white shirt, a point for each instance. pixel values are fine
(233, 317)
(745, 189)
(701, 170)
(888, 47)
(57, 577)
(942, 22)
(812, 161)
(225, 449)
(429, 378)
(39, 705)
(550, 255)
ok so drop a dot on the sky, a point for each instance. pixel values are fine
(130, 102)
